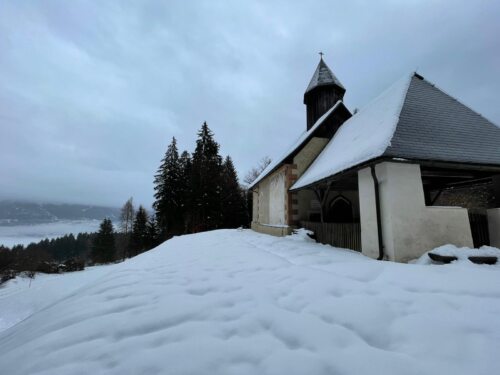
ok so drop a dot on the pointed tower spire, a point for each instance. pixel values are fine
(323, 91)
(323, 76)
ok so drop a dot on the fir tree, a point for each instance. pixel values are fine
(139, 239)
(103, 246)
(206, 171)
(152, 233)
(168, 200)
(185, 189)
(233, 199)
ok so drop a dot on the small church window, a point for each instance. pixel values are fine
(339, 210)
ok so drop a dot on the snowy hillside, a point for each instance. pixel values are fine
(238, 302)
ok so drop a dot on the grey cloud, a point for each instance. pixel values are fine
(92, 92)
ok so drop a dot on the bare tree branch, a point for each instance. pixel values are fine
(253, 173)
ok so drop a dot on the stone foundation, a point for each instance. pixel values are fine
(278, 231)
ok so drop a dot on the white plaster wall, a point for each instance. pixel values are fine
(255, 205)
(494, 226)
(269, 200)
(263, 210)
(409, 228)
(368, 214)
(277, 196)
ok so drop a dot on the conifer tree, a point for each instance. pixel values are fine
(185, 189)
(152, 231)
(206, 172)
(233, 199)
(103, 246)
(139, 239)
(168, 202)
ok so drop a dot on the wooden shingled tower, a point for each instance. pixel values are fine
(323, 91)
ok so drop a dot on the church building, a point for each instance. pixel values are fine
(413, 170)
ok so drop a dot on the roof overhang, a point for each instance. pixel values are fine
(486, 168)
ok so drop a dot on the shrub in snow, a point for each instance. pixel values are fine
(7, 275)
(74, 264)
(48, 267)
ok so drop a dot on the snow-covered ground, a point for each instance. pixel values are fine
(238, 302)
(25, 234)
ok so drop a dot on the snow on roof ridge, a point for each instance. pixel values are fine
(355, 141)
(302, 137)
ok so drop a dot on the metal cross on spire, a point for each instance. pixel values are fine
(321, 55)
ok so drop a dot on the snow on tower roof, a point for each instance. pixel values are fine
(323, 76)
(413, 119)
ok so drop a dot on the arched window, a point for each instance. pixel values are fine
(339, 210)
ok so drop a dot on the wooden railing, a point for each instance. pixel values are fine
(479, 229)
(344, 235)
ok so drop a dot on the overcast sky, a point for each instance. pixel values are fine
(91, 92)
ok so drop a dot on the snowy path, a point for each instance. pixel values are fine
(237, 302)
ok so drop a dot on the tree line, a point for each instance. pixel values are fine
(199, 191)
(194, 192)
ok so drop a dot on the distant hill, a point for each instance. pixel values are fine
(19, 213)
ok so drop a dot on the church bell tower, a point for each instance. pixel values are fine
(323, 91)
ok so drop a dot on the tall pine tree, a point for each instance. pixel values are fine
(168, 199)
(206, 173)
(103, 246)
(152, 230)
(185, 189)
(139, 239)
(233, 199)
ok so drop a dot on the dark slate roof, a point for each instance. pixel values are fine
(435, 126)
(323, 76)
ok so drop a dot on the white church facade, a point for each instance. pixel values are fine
(412, 170)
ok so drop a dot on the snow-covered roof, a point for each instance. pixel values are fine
(323, 76)
(413, 119)
(298, 142)
(364, 136)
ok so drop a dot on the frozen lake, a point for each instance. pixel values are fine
(25, 234)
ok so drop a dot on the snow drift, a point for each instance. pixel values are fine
(239, 302)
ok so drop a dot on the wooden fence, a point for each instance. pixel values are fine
(345, 235)
(479, 229)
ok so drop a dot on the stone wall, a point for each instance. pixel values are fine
(272, 229)
(478, 197)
